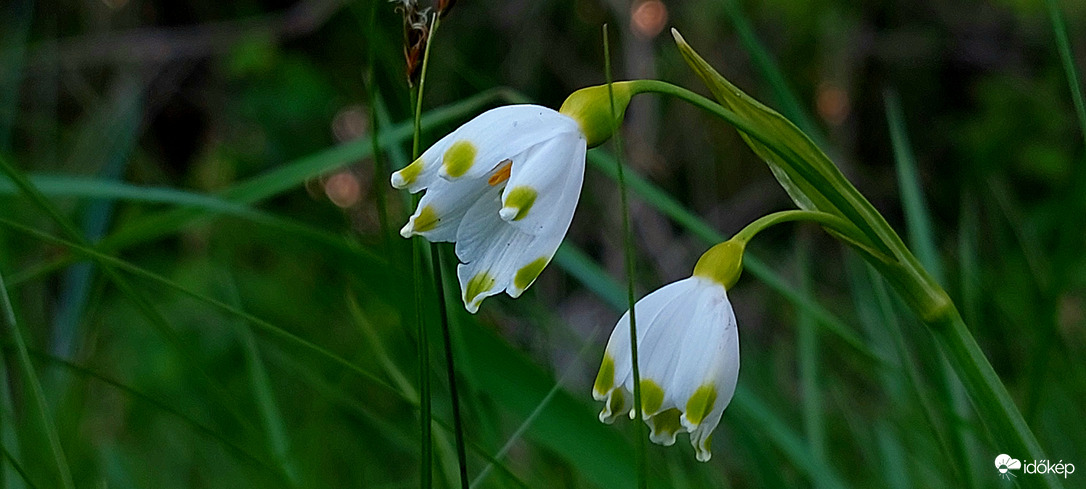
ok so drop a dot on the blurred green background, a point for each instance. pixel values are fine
(205, 296)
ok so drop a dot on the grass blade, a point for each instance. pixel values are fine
(63, 471)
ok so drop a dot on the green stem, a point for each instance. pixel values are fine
(826, 219)
(417, 248)
(1067, 59)
(921, 291)
(923, 294)
(435, 254)
(450, 367)
(627, 248)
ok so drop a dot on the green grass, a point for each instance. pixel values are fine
(228, 326)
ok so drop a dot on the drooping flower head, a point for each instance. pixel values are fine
(688, 348)
(504, 186)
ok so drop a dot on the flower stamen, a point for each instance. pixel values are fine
(504, 171)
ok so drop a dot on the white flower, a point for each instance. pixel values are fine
(503, 186)
(688, 349)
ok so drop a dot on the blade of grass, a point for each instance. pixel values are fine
(9, 436)
(263, 325)
(270, 415)
(63, 471)
(114, 145)
(631, 272)
(165, 406)
(1063, 44)
(807, 343)
(892, 456)
(18, 468)
(380, 170)
(365, 326)
(922, 242)
(293, 174)
(527, 423)
(771, 71)
(917, 218)
(145, 306)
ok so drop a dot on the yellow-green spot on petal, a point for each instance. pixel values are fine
(426, 220)
(667, 421)
(478, 284)
(527, 274)
(605, 380)
(652, 396)
(410, 172)
(618, 400)
(701, 403)
(459, 158)
(521, 198)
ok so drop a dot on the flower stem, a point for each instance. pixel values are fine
(901, 269)
(627, 241)
(425, 402)
(458, 429)
(443, 310)
(831, 221)
(426, 448)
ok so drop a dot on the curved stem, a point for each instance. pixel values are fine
(837, 223)
(922, 292)
(908, 276)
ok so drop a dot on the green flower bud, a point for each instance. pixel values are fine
(723, 263)
(591, 108)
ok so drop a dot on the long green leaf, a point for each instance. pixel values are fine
(63, 471)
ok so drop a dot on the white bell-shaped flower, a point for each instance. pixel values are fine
(503, 186)
(688, 349)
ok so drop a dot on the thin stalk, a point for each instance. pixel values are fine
(627, 249)
(1066, 58)
(826, 219)
(435, 255)
(425, 400)
(458, 430)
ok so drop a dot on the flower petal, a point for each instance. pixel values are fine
(688, 344)
(618, 346)
(540, 186)
(705, 383)
(488, 249)
(476, 147)
(550, 222)
(442, 208)
(422, 173)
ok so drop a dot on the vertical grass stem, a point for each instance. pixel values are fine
(627, 241)
(435, 254)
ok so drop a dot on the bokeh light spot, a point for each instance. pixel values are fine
(648, 18)
(832, 103)
(343, 189)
